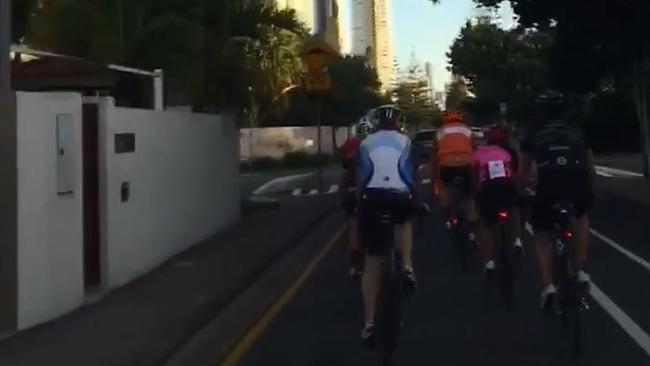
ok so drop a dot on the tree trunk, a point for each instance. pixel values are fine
(641, 102)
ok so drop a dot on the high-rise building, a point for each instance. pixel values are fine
(428, 68)
(372, 37)
(328, 22)
(305, 11)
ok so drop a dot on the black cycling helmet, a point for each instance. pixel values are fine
(388, 117)
(550, 106)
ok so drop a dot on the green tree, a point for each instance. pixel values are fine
(595, 41)
(413, 95)
(211, 51)
(457, 94)
(500, 66)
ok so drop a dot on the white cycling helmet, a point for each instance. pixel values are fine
(364, 127)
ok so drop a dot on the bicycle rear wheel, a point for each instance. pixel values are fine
(506, 270)
(390, 319)
(459, 227)
(570, 306)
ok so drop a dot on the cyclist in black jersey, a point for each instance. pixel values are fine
(557, 154)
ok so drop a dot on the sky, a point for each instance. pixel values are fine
(427, 29)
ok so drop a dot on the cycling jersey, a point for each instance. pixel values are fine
(455, 145)
(492, 162)
(562, 171)
(496, 187)
(385, 162)
(349, 153)
(350, 149)
(556, 146)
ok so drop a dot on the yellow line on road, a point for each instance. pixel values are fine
(255, 332)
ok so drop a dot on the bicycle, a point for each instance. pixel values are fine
(505, 257)
(391, 294)
(570, 300)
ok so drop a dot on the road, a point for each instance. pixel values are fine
(453, 321)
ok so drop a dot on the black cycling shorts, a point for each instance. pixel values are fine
(450, 173)
(494, 196)
(373, 204)
(555, 186)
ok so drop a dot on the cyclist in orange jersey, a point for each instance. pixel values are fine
(454, 158)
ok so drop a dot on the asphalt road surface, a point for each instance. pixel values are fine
(456, 318)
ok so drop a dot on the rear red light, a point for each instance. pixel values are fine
(454, 221)
(504, 215)
(567, 235)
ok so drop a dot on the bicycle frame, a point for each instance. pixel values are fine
(390, 294)
(569, 297)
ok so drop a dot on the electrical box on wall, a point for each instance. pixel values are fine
(65, 154)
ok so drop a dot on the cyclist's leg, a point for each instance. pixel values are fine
(370, 207)
(402, 211)
(486, 233)
(470, 198)
(542, 225)
(443, 191)
(582, 206)
(581, 240)
(404, 240)
(349, 203)
(354, 246)
(370, 282)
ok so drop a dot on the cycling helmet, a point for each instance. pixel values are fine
(496, 135)
(550, 105)
(451, 116)
(363, 127)
(388, 117)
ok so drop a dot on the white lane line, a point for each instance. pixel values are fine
(333, 188)
(621, 249)
(617, 172)
(296, 192)
(313, 192)
(279, 181)
(603, 174)
(426, 181)
(629, 326)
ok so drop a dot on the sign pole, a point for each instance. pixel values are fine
(316, 54)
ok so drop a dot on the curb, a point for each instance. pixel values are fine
(233, 318)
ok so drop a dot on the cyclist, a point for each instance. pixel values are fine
(349, 152)
(454, 157)
(495, 170)
(498, 135)
(565, 172)
(386, 181)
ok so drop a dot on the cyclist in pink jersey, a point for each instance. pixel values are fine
(496, 189)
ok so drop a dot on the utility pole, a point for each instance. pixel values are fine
(5, 43)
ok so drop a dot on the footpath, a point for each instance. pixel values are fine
(147, 322)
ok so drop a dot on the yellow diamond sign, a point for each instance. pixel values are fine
(316, 54)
